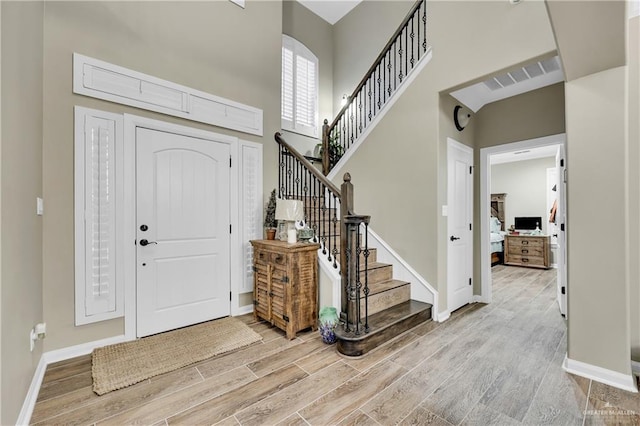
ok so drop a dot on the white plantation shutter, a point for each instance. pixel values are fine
(299, 88)
(98, 293)
(251, 209)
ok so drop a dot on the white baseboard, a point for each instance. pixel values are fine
(243, 310)
(32, 395)
(79, 350)
(599, 374)
(477, 298)
(49, 358)
(443, 316)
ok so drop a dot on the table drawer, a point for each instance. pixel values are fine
(526, 250)
(526, 260)
(525, 242)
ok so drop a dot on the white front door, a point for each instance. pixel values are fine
(182, 229)
(561, 226)
(460, 235)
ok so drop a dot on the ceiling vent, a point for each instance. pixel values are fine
(523, 74)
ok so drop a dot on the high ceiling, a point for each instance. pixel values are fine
(330, 10)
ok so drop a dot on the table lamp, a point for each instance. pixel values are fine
(289, 211)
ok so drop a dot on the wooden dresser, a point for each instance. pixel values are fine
(527, 250)
(285, 290)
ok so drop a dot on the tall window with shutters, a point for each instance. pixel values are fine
(299, 88)
(97, 199)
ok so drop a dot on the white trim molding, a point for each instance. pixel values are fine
(54, 356)
(485, 207)
(443, 316)
(599, 374)
(102, 80)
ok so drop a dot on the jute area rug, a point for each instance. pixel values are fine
(123, 364)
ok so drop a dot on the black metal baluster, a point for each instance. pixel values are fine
(389, 90)
(321, 214)
(412, 44)
(406, 47)
(366, 276)
(414, 16)
(358, 284)
(280, 170)
(335, 230)
(400, 52)
(424, 23)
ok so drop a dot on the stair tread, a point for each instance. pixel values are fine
(382, 320)
(382, 286)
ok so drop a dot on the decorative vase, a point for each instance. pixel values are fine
(328, 323)
(271, 233)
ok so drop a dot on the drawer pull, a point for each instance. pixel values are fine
(525, 243)
(261, 255)
(524, 259)
(278, 258)
(525, 251)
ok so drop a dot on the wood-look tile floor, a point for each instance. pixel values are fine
(488, 364)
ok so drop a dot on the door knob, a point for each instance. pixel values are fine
(144, 242)
(143, 228)
(454, 238)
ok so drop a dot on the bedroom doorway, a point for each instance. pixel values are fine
(523, 193)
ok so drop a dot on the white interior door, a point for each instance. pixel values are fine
(182, 210)
(561, 226)
(460, 236)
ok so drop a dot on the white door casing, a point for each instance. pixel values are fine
(182, 209)
(459, 225)
(561, 230)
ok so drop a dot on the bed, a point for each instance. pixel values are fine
(497, 241)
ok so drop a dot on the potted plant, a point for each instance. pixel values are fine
(270, 223)
(336, 150)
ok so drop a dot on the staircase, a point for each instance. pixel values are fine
(375, 307)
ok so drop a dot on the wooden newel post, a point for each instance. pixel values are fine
(346, 208)
(325, 148)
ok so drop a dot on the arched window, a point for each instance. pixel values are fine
(299, 88)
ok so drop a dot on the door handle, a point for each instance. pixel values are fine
(454, 238)
(144, 242)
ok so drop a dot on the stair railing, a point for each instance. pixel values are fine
(324, 206)
(398, 58)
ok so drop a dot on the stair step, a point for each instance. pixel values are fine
(383, 326)
(377, 272)
(386, 294)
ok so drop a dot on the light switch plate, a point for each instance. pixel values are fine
(39, 206)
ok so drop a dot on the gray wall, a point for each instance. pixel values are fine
(317, 34)
(210, 46)
(597, 281)
(21, 183)
(399, 174)
(633, 166)
(525, 183)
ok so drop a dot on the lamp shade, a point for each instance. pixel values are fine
(289, 210)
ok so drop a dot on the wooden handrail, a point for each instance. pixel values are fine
(307, 164)
(382, 54)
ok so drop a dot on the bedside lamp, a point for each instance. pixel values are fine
(290, 211)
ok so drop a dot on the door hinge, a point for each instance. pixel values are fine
(469, 281)
(229, 161)
(470, 170)
(285, 279)
(286, 318)
(230, 297)
(470, 228)
(230, 228)
(562, 162)
(563, 290)
(562, 227)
